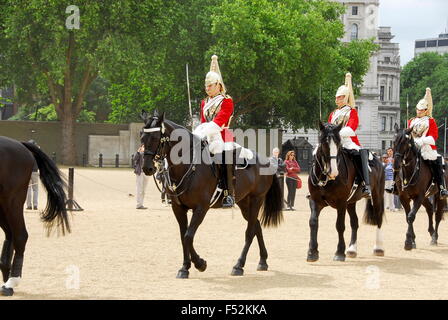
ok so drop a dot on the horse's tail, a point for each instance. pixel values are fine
(273, 203)
(374, 212)
(55, 185)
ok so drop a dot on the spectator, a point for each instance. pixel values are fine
(280, 166)
(397, 203)
(389, 178)
(33, 187)
(292, 169)
(141, 179)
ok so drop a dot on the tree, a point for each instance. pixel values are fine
(274, 56)
(426, 70)
(66, 61)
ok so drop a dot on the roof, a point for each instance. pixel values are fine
(298, 142)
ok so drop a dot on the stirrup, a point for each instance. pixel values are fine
(366, 193)
(443, 193)
(228, 201)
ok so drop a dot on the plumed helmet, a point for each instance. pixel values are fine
(214, 75)
(347, 91)
(426, 103)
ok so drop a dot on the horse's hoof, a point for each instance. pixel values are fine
(262, 267)
(339, 258)
(312, 257)
(201, 266)
(352, 254)
(433, 243)
(182, 274)
(237, 271)
(378, 252)
(408, 246)
(7, 292)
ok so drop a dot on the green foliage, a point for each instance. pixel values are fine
(427, 70)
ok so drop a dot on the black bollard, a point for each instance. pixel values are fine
(53, 156)
(84, 160)
(70, 188)
(100, 163)
(117, 161)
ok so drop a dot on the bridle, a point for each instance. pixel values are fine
(324, 171)
(401, 159)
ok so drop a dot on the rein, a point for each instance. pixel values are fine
(161, 154)
(416, 171)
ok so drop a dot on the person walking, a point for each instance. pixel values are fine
(389, 179)
(141, 179)
(33, 187)
(280, 167)
(292, 169)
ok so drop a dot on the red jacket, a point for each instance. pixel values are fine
(222, 118)
(292, 168)
(433, 130)
(352, 123)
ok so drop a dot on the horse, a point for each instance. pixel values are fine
(330, 184)
(17, 163)
(192, 186)
(414, 184)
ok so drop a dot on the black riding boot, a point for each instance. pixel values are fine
(439, 177)
(227, 178)
(366, 192)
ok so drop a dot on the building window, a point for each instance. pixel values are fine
(382, 93)
(431, 43)
(383, 145)
(305, 154)
(386, 59)
(354, 10)
(443, 43)
(391, 123)
(354, 33)
(383, 123)
(420, 44)
(390, 93)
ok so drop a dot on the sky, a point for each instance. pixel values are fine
(411, 20)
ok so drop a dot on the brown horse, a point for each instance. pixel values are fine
(15, 173)
(331, 183)
(413, 178)
(192, 185)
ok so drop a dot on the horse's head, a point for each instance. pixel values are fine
(403, 144)
(152, 137)
(329, 146)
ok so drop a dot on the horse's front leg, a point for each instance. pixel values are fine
(354, 224)
(188, 239)
(409, 243)
(429, 210)
(340, 227)
(313, 253)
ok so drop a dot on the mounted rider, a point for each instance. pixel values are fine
(216, 115)
(425, 134)
(346, 114)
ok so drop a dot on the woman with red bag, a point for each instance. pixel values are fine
(292, 169)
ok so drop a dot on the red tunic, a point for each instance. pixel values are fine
(433, 130)
(222, 118)
(352, 123)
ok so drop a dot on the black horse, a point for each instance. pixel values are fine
(15, 173)
(331, 182)
(192, 186)
(413, 179)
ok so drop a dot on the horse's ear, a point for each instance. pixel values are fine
(396, 127)
(144, 115)
(156, 113)
(321, 126)
(409, 130)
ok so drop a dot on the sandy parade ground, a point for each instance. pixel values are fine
(118, 252)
